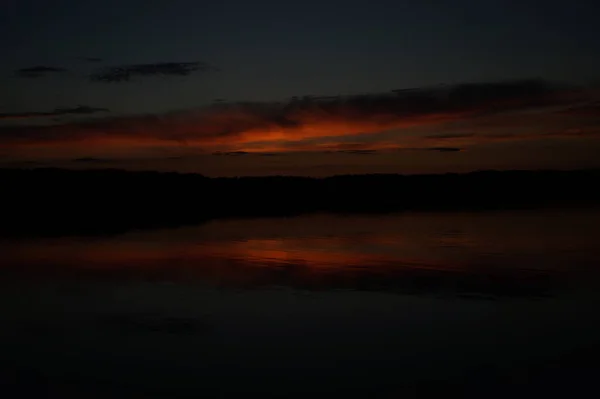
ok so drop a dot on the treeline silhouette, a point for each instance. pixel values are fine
(52, 201)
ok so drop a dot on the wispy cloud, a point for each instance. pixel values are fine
(79, 110)
(124, 73)
(398, 148)
(359, 152)
(92, 160)
(38, 71)
(449, 136)
(445, 149)
(589, 109)
(231, 153)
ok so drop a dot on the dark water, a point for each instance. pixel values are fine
(425, 304)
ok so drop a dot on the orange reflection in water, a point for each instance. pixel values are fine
(315, 253)
(206, 256)
(514, 254)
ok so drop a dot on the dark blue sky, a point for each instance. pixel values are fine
(270, 50)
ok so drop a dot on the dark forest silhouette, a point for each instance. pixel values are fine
(103, 201)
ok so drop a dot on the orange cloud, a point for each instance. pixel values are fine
(313, 124)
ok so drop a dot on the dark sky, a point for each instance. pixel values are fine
(264, 51)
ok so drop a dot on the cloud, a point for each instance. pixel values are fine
(445, 149)
(593, 131)
(398, 148)
(92, 160)
(361, 123)
(231, 153)
(38, 71)
(125, 73)
(449, 136)
(590, 109)
(79, 110)
(360, 152)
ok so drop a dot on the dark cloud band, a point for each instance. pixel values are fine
(38, 71)
(125, 73)
(80, 110)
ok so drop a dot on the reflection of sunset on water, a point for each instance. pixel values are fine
(435, 254)
(442, 240)
(315, 253)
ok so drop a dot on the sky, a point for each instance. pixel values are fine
(308, 88)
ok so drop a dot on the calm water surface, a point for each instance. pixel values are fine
(490, 304)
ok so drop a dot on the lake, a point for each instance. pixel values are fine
(413, 304)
